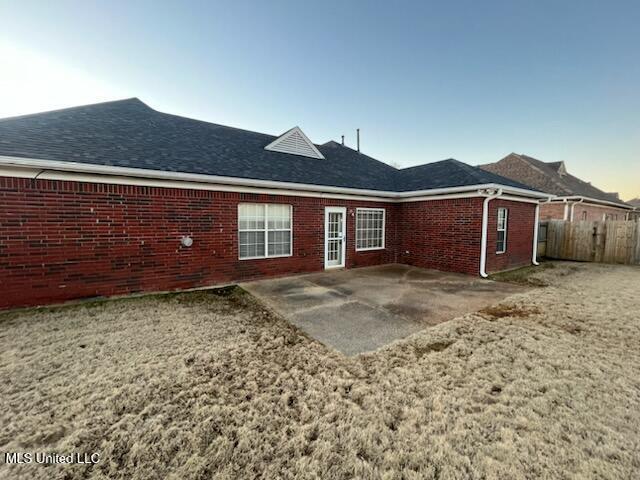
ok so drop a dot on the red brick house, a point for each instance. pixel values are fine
(574, 199)
(117, 198)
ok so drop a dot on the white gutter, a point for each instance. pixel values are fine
(592, 200)
(534, 257)
(573, 206)
(566, 210)
(485, 226)
(247, 182)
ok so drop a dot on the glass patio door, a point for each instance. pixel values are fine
(335, 236)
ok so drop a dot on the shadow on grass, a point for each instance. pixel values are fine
(524, 275)
(232, 293)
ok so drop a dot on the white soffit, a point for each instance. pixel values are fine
(294, 142)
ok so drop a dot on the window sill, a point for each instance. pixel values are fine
(369, 249)
(265, 258)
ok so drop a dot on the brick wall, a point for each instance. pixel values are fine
(555, 211)
(442, 234)
(65, 240)
(446, 235)
(520, 222)
(595, 213)
(552, 211)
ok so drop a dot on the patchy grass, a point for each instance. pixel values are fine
(506, 310)
(206, 385)
(525, 275)
(432, 347)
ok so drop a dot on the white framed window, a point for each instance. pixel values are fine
(264, 230)
(501, 244)
(370, 228)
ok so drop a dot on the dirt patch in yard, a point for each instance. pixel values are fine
(533, 276)
(432, 347)
(505, 310)
(215, 386)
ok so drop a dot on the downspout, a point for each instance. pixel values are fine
(536, 226)
(534, 258)
(485, 226)
(573, 206)
(566, 210)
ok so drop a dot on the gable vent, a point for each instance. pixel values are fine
(294, 142)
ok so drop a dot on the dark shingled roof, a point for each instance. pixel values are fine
(549, 177)
(128, 133)
(448, 173)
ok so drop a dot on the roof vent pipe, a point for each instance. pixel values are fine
(343, 140)
(358, 138)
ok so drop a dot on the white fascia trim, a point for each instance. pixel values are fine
(431, 198)
(519, 199)
(485, 186)
(475, 194)
(51, 166)
(591, 201)
(136, 181)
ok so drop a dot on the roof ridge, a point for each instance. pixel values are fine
(527, 158)
(560, 181)
(77, 107)
(230, 127)
(475, 172)
(609, 194)
(404, 169)
(268, 134)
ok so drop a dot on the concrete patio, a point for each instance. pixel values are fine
(363, 309)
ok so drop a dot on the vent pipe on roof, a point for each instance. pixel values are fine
(343, 140)
(358, 138)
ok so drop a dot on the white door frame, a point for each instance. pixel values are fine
(343, 211)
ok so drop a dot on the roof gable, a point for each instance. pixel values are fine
(295, 142)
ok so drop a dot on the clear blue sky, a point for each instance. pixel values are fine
(558, 80)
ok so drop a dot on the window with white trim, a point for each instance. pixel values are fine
(264, 230)
(370, 228)
(501, 245)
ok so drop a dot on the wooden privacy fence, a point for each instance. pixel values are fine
(605, 242)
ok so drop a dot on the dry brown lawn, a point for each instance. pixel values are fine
(198, 385)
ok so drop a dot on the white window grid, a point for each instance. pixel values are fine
(503, 218)
(268, 227)
(370, 229)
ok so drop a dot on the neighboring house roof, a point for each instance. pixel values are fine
(128, 133)
(551, 177)
(635, 202)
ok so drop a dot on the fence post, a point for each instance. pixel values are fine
(601, 235)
